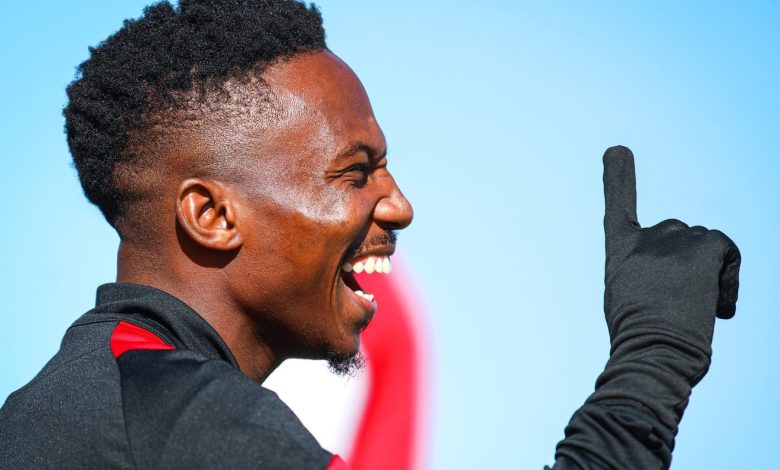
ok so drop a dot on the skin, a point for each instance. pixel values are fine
(258, 252)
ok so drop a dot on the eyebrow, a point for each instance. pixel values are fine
(360, 146)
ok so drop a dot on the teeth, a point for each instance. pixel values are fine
(371, 264)
(370, 297)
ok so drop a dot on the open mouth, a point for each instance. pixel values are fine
(370, 264)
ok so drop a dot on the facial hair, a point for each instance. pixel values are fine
(350, 365)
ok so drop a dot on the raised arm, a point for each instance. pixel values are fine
(664, 286)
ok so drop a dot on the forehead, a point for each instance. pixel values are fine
(321, 97)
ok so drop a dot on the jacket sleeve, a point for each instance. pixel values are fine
(615, 435)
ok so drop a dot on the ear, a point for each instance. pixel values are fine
(207, 214)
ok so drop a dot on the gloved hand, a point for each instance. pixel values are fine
(664, 286)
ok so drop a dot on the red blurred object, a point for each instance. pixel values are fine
(391, 432)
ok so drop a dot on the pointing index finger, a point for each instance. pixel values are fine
(619, 195)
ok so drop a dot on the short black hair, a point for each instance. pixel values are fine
(152, 61)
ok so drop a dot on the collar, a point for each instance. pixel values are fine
(167, 316)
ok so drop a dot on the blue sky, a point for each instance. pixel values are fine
(497, 114)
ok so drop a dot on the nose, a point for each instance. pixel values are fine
(393, 211)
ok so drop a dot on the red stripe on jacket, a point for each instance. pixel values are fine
(337, 464)
(129, 337)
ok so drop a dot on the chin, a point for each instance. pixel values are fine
(343, 352)
(350, 365)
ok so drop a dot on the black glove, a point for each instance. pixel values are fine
(664, 286)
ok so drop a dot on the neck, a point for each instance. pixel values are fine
(202, 289)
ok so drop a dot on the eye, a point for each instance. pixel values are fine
(358, 174)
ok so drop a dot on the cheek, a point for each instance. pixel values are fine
(298, 235)
(306, 196)
(328, 207)
(332, 218)
(297, 253)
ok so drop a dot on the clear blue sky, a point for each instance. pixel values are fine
(497, 113)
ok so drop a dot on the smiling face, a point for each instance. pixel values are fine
(315, 203)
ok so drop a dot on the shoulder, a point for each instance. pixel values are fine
(182, 410)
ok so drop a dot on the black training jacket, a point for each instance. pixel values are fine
(142, 381)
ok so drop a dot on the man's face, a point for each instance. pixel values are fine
(317, 197)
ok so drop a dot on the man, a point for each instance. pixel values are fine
(240, 162)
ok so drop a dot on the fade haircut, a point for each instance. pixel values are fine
(154, 66)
